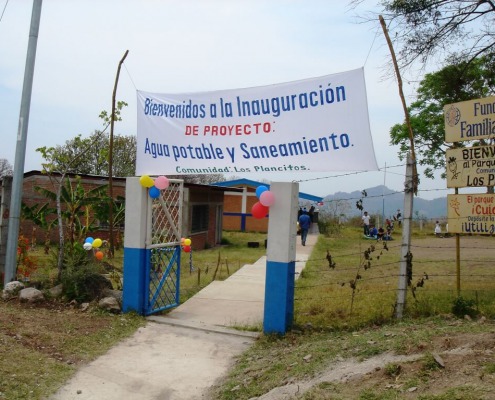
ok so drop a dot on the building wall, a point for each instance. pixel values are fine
(30, 197)
(193, 195)
(236, 217)
(212, 198)
(232, 204)
(5, 194)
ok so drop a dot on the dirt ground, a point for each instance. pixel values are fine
(44, 327)
(454, 367)
(443, 248)
(464, 369)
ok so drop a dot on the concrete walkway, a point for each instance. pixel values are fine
(180, 355)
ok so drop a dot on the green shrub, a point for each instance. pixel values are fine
(464, 307)
(81, 275)
(84, 282)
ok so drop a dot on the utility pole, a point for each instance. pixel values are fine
(20, 152)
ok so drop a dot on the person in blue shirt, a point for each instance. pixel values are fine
(304, 224)
(373, 231)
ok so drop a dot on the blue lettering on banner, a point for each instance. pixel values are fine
(274, 106)
(292, 102)
(156, 149)
(302, 147)
(211, 152)
(185, 110)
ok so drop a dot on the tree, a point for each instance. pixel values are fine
(78, 204)
(206, 179)
(95, 149)
(75, 215)
(124, 155)
(102, 213)
(89, 155)
(336, 209)
(59, 161)
(38, 214)
(456, 82)
(5, 168)
(463, 29)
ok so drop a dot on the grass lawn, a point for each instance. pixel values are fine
(42, 345)
(344, 311)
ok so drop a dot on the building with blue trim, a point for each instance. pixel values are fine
(237, 205)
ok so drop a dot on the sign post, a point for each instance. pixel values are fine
(471, 213)
(470, 120)
(470, 167)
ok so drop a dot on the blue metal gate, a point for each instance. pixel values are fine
(164, 279)
(163, 246)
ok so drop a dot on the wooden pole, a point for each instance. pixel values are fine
(458, 258)
(110, 159)
(404, 105)
(411, 188)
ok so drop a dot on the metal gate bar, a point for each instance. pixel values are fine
(163, 285)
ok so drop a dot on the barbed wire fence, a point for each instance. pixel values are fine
(347, 284)
(365, 283)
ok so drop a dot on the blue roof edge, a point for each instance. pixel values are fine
(249, 182)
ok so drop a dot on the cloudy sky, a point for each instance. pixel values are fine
(178, 46)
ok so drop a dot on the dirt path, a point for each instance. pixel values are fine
(462, 366)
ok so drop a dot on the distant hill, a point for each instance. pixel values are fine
(382, 198)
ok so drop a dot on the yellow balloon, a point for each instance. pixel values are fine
(97, 243)
(187, 242)
(146, 181)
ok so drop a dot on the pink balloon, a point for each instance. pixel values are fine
(259, 210)
(161, 182)
(267, 198)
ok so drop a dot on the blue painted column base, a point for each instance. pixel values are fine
(279, 297)
(135, 290)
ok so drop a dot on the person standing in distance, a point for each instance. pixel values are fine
(438, 229)
(366, 223)
(304, 224)
(398, 217)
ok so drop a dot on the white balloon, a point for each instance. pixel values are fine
(87, 246)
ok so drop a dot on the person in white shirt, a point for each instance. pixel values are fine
(366, 223)
(438, 229)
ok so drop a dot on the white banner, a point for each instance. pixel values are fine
(313, 125)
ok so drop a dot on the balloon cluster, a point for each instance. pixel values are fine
(266, 199)
(90, 244)
(154, 186)
(186, 244)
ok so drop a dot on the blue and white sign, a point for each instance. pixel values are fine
(312, 125)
